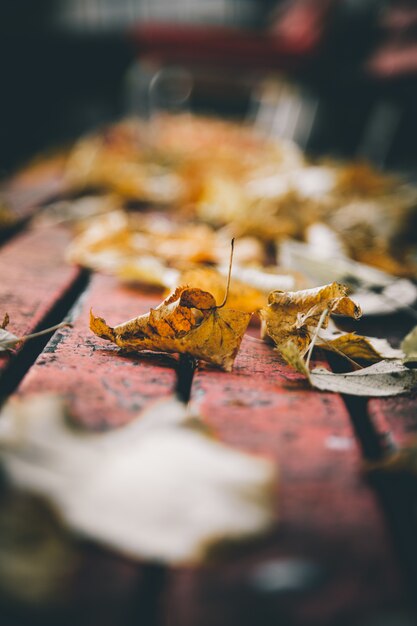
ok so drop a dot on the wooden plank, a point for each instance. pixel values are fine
(396, 418)
(34, 185)
(34, 279)
(103, 387)
(330, 559)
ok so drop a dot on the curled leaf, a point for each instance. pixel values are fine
(293, 316)
(386, 378)
(187, 322)
(372, 349)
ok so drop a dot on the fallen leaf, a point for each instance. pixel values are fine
(386, 378)
(131, 488)
(293, 316)
(8, 340)
(187, 322)
(291, 354)
(409, 346)
(372, 349)
(151, 248)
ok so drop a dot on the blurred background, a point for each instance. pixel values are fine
(338, 76)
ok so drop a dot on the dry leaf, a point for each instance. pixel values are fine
(131, 489)
(386, 378)
(147, 248)
(188, 322)
(372, 349)
(292, 316)
(8, 340)
(409, 346)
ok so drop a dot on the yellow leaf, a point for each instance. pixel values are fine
(354, 346)
(294, 315)
(187, 322)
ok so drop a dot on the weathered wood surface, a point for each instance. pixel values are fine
(330, 529)
(330, 559)
(34, 186)
(34, 278)
(395, 417)
(103, 387)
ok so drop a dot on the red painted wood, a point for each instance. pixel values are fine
(395, 418)
(328, 516)
(34, 185)
(33, 278)
(103, 387)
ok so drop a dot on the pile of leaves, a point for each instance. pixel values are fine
(308, 236)
(225, 175)
(324, 225)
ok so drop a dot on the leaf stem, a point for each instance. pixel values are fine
(314, 339)
(45, 331)
(229, 275)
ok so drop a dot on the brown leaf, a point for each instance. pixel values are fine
(188, 322)
(293, 315)
(5, 322)
(355, 346)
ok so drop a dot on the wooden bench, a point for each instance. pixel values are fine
(345, 547)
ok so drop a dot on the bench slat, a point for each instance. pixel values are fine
(103, 387)
(329, 521)
(34, 278)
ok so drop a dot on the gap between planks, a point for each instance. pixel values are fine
(117, 387)
(328, 516)
(37, 289)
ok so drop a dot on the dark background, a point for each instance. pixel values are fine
(63, 73)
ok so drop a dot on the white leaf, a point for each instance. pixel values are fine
(153, 489)
(386, 378)
(7, 340)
